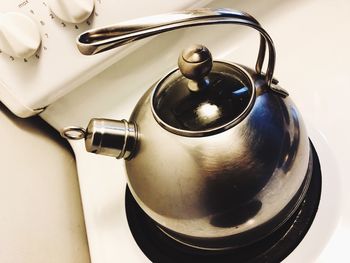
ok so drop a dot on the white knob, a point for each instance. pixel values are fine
(72, 11)
(19, 35)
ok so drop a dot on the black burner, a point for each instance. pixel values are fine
(158, 247)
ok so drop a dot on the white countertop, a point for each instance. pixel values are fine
(41, 215)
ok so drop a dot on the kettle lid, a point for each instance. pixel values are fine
(202, 97)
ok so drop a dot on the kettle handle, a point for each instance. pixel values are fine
(102, 39)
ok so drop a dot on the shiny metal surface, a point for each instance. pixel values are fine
(225, 184)
(247, 178)
(195, 63)
(228, 97)
(116, 138)
(105, 38)
(73, 133)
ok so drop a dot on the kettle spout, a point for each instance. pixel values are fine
(116, 138)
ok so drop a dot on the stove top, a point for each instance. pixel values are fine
(311, 65)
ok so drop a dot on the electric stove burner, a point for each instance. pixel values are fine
(159, 247)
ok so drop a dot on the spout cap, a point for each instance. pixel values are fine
(116, 138)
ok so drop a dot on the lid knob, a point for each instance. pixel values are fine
(195, 63)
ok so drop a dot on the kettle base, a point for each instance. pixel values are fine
(159, 247)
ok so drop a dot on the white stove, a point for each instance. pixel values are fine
(312, 53)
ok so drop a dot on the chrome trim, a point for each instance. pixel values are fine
(209, 131)
(73, 133)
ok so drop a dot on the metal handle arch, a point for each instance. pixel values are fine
(102, 39)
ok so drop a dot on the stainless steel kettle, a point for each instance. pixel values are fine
(216, 153)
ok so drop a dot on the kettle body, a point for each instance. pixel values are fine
(230, 190)
(216, 153)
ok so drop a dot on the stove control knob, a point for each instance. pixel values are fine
(19, 35)
(72, 11)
